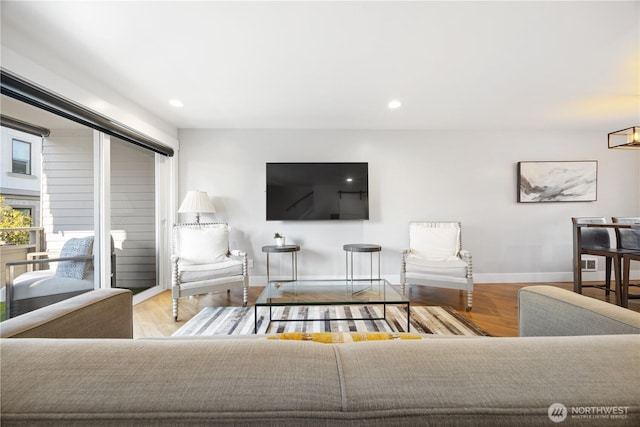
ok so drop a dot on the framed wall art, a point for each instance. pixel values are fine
(563, 181)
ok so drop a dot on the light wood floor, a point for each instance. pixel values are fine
(495, 307)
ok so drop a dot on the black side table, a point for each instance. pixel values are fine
(360, 247)
(293, 249)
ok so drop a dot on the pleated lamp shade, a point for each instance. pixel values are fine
(197, 202)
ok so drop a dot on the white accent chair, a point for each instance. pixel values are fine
(435, 258)
(202, 262)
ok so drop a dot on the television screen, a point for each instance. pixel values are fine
(317, 191)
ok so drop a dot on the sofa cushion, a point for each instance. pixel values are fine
(168, 382)
(491, 381)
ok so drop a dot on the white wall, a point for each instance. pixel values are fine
(413, 175)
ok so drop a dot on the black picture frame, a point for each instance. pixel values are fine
(557, 181)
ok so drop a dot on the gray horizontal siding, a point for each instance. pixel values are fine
(133, 214)
(68, 194)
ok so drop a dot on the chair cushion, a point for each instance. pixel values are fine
(451, 267)
(26, 279)
(51, 285)
(434, 243)
(202, 245)
(629, 237)
(594, 238)
(75, 247)
(199, 272)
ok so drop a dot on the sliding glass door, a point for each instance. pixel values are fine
(90, 185)
(133, 215)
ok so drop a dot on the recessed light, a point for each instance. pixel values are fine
(349, 179)
(176, 103)
(394, 104)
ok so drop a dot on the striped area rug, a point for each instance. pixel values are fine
(240, 320)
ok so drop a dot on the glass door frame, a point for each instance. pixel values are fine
(165, 190)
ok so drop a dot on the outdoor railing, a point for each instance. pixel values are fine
(12, 252)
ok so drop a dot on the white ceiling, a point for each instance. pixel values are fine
(336, 65)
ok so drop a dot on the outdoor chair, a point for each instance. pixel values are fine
(54, 278)
(435, 258)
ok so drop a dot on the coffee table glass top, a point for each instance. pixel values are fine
(327, 292)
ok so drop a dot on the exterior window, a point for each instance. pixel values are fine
(21, 157)
(24, 211)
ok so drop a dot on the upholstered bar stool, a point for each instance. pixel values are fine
(628, 241)
(595, 241)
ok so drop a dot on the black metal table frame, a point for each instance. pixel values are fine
(307, 303)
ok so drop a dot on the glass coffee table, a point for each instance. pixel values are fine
(329, 292)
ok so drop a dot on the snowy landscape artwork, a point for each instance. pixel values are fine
(564, 181)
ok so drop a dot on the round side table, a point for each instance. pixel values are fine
(360, 247)
(293, 249)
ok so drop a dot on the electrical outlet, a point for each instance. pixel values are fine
(589, 264)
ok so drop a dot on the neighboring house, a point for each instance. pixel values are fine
(20, 186)
(20, 167)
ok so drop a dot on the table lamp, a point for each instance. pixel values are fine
(198, 202)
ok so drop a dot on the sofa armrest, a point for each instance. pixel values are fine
(102, 313)
(550, 311)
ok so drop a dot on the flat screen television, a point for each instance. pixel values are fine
(317, 191)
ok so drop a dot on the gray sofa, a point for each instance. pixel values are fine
(582, 375)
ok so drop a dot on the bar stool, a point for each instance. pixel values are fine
(627, 241)
(596, 241)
